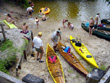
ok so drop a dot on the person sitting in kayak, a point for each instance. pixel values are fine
(66, 49)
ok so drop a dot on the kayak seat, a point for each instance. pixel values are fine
(89, 56)
(52, 59)
(78, 44)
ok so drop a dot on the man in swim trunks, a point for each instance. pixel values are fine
(91, 25)
(64, 20)
(24, 28)
(38, 45)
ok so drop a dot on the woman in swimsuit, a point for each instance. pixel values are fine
(91, 26)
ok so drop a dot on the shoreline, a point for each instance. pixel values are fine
(99, 48)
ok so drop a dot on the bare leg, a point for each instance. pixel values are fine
(37, 25)
(89, 31)
(41, 56)
(54, 47)
(63, 25)
(37, 54)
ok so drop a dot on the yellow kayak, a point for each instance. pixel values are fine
(10, 25)
(54, 65)
(45, 12)
(83, 51)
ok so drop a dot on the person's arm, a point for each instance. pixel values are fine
(52, 40)
(32, 44)
(60, 37)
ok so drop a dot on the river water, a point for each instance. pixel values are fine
(76, 11)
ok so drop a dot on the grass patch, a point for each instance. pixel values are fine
(102, 67)
(2, 66)
(70, 71)
(9, 59)
(89, 69)
(6, 44)
(7, 63)
(23, 47)
(80, 58)
(77, 76)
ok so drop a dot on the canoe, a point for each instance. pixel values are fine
(10, 25)
(103, 28)
(105, 21)
(55, 69)
(83, 51)
(99, 27)
(98, 33)
(45, 12)
(72, 60)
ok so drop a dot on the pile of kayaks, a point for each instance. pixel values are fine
(55, 67)
(100, 33)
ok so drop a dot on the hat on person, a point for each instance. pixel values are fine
(40, 33)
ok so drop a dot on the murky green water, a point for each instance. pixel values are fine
(76, 11)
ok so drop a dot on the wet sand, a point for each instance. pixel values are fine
(99, 48)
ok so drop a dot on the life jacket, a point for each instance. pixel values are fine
(52, 59)
(67, 49)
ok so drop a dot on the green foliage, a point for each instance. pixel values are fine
(5, 45)
(10, 61)
(24, 3)
(26, 41)
(23, 47)
(89, 69)
(2, 67)
(7, 63)
(77, 76)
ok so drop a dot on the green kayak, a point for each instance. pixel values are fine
(105, 21)
(99, 33)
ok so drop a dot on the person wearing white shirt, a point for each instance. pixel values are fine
(97, 19)
(54, 39)
(38, 45)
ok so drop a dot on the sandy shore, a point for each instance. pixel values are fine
(99, 48)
